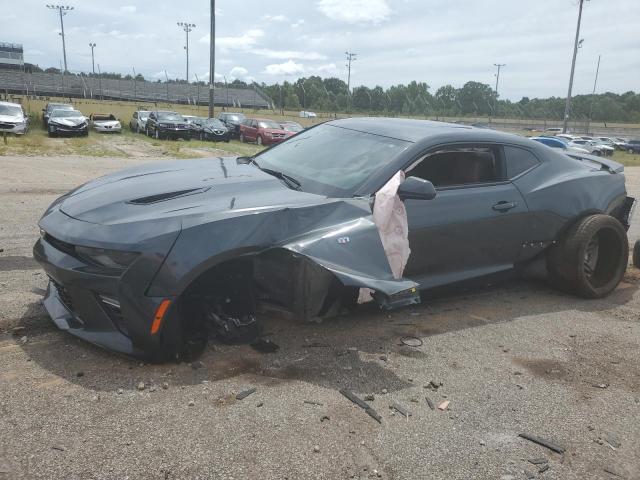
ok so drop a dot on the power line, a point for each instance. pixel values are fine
(187, 27)
(576, 44)
(62, 10)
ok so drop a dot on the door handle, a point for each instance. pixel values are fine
(504, 206)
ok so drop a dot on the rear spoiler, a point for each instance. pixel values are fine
(605, 164)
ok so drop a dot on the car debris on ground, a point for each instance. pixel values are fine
(541, 441)
(245, 393)
(400, 409)
(362, 404)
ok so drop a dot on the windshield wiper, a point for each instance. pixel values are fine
(289, 180)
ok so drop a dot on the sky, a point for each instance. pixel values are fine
(434, 41)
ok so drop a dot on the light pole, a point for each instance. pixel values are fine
(212, 55)
(495, 100)
(576, 45)
(62, 10)
(187, 27)
(593, 94)
(93, 65)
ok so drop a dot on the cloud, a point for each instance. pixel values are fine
(244, 41)
(241, 73)
(275, 18)
(288, 54)
(128, 9)
(355, 11)
(287, 68)
(298, 23)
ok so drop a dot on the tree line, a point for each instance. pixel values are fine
(416, 98)
(472, 99)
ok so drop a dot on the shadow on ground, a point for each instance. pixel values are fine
(349, 351)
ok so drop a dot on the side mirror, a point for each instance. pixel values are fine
(414, 188)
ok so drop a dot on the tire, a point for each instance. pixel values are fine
(242, 139)
(636, 254)
(597, 153)
(591, 257)
(259, 140)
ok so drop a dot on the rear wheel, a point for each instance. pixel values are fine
(591, 258)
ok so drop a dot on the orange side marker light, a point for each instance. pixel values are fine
(160, 312)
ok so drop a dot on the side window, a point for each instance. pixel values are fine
(135, 115)
(459, 166)
(519, 161)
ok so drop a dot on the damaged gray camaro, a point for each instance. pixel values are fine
(152, 260)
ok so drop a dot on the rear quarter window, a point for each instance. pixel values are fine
(518, 161)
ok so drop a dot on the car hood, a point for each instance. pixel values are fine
(221, 187)
(12, 118)
(68, 121)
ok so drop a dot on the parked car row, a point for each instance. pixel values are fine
(63, 119)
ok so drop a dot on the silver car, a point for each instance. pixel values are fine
(13, 119)
(138, 121)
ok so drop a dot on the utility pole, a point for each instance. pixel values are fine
(166, 77)
(351, 57)
(495, 100)
(62, 10)
(93, 65)
(595, 83)
(187, 27)
(135, 90)
(212, 56)
(576, 45)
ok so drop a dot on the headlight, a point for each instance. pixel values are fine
(106, 258)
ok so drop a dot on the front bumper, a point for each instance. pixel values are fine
(67, 130)
(15, 128)
(107, 129)
(175, 132)
(108, 309)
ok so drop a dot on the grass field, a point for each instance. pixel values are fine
(128, 143)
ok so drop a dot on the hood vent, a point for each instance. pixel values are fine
(162, 197)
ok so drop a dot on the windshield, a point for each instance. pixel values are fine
(175, 117)
(236, 117)
(66, 113)
(214, 122)
(292, 127)
(12, 110)
(330, 160)
(269, 124)
(59, 106)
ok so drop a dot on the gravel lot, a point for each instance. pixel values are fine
(513, 358)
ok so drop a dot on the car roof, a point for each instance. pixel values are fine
(411, 130)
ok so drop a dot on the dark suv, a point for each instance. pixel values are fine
(232, 121)
(165, 124)
(633, 146)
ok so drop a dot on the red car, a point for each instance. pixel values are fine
(263, 132)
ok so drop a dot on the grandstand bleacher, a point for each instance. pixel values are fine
(83, 86)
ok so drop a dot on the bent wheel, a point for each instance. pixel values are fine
(591, 258)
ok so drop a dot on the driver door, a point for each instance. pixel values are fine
(476, 223)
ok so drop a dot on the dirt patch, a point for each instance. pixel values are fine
(131, 146)
(9, 263)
